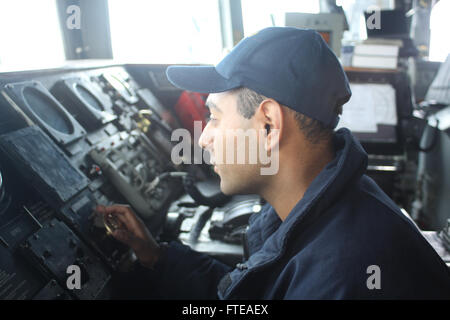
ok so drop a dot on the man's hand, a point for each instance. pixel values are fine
(133, 232)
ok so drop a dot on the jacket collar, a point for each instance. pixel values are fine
(348, 165)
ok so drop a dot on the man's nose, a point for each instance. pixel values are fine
(206, 137)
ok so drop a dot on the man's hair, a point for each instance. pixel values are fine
(314, 130)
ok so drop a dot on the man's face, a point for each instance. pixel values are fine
(219, 138)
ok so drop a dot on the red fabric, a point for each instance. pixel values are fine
(191, 107)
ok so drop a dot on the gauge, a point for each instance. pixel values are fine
(47, 110)
(122, 87)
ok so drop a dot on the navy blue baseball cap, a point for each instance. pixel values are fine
(291, 65)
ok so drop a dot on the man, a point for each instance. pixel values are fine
(328, 231)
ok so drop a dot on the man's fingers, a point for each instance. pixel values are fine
(100, 209)
(125, 219)
(122, 235)
(125, 237)
(122, 213)
(116, 209)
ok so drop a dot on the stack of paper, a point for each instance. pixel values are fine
(376, 54)
(370, 105)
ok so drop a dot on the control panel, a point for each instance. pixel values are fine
(75, 139)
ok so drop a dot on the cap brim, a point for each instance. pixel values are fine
(203, 79)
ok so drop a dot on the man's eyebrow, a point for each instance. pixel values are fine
(211, 105)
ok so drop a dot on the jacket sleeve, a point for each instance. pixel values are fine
(181, 273)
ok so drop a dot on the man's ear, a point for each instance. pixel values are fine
(271, 115)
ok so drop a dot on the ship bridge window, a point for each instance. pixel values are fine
(439, 25)
(169, 31)
(259, 14)
(30, 34)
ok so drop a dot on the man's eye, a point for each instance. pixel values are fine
(211, 118)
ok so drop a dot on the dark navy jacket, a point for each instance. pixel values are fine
(343, 224)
